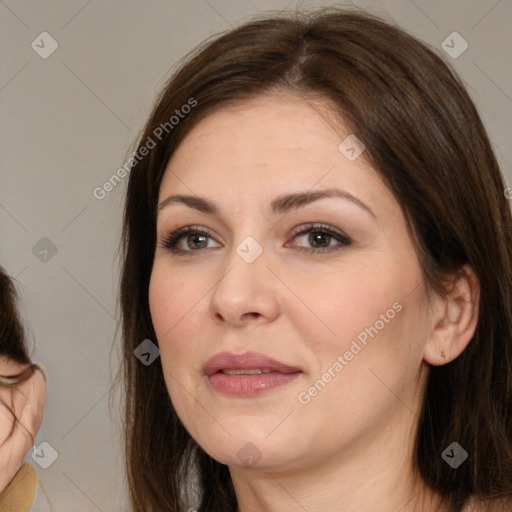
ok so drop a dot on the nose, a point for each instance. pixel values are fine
(246, 291)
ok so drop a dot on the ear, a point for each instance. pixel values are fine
(455, 318)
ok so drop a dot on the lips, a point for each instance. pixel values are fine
(247, 375)
(226, 361)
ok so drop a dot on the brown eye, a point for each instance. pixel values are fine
(319, 238)
(195, 240)
(187, 240)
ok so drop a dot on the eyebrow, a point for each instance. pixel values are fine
(280, 205)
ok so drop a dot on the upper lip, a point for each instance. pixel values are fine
(245, 361)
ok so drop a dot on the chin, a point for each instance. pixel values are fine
(255, 450)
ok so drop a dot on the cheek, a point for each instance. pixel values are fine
(343, 303)
(179, 312)
(169, 299)
(177, 308)
(357, 383)
(372, 319)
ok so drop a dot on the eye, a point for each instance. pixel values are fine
(187, 239)
(320, 236)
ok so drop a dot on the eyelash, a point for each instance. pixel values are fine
(170, 241)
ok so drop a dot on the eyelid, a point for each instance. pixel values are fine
(311, 226)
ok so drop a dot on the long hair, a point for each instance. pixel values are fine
(424, 136)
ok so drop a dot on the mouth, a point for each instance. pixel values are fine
(247, 374)
(255, 371)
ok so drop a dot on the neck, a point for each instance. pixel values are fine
(323, 491)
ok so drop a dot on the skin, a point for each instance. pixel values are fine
(27, 399)
(351, 445)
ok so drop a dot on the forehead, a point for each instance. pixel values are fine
(277, 124)
(266, 145)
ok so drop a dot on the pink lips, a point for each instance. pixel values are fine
(275, 373)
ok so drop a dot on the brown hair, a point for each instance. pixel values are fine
(423, 134)
(12, 333)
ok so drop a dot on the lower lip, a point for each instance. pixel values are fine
(249, 385)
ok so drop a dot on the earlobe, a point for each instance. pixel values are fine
(455, 319)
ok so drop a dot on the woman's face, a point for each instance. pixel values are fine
(341, 306)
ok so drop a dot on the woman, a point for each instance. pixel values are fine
(317, 239)
(22, 401)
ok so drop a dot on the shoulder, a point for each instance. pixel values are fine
(496, 505)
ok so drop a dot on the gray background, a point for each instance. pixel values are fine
(68, 123)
